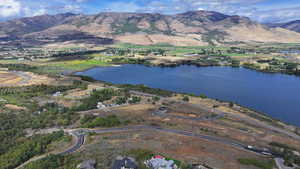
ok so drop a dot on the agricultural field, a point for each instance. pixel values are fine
(265, 58)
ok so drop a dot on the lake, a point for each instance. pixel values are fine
(290, 51)
(277, 95)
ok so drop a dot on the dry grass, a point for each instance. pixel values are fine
(23, 79)
(260, 34)
(14, 107)
(7, 78)
(144, 39)
(187, 149)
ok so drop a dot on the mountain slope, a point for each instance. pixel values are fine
(190, 28)
(293, 25)
(32, 24)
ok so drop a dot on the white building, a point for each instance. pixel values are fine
(100, 105)
(159, 162)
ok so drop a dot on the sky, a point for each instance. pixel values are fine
(259, 10)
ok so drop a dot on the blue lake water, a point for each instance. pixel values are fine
(277, 95)
(290, 51)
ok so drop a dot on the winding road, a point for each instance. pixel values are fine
(222, 113)
(79, 136)
(79, 141)
(280, 164)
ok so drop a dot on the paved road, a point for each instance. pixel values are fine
(80, 137)
(31, 160)
(243, 118)
(144, 94)
(280, 164)
(163, 114)
(205, 108)
(79, 141)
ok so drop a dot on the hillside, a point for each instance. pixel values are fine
(293, 25)
(23, 26)
(190, 28)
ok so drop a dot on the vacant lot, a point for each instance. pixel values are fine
(22, 79)
(8, 78)
(104, 148)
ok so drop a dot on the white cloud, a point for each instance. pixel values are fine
(123, 7)
(9, 8)
(277, 15)
(246, 8)
(249, 8)
(29, 12)
(80, 1)
(71, 8)
(40, 12)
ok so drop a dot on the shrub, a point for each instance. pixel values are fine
(121, 100)
(96, 96)
(257, 163)
(135, 99)
(109, 121)
(186, 99)
(145, 89)
(156, 98)
(203, 96)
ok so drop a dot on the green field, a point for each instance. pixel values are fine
(79, 64)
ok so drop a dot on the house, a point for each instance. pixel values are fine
(159, 162)
(88, 164)
(57, 94)
(159, 156)
(199, 167)
(296, 153)
(124, 163)
(100, 105)
(190, 54)
(3, 100)
(3, 69)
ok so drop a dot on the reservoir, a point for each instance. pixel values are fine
(277, 95)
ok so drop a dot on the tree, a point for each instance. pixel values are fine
(291, 66)
(235, 63)
(186, 99)
(135, 99)
(121, 100)
(155, 98)
(203, 96)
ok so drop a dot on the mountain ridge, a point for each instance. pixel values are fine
(292, 25)
(189, 28)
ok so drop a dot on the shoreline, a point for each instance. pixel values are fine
(241, 66)
(73, 73)
(252, 110)
(189, 63)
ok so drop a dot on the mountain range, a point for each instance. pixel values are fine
(293, 25)
(190, 28)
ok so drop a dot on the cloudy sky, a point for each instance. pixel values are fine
(259, 10)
